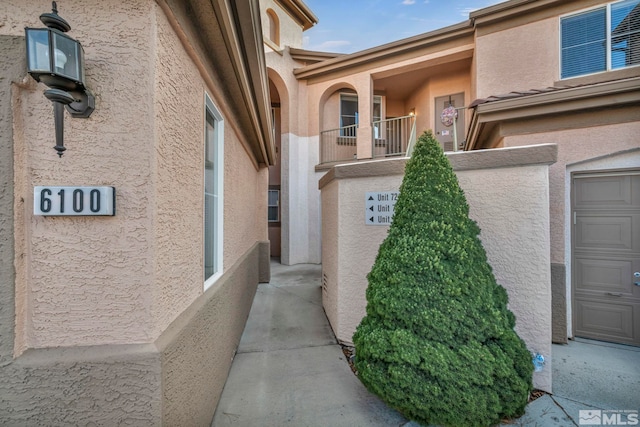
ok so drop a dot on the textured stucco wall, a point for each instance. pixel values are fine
(519, 58)
(101, 385)
(179, 184)
(86, 281)
(92, 295)
(514, 223)
(123, 279)
(198, 347)
(575, 145)
(290, 30)
(12, 68)
(175, 381)
(330, 204)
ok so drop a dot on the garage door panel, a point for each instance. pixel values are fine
(609, 192)
(605, 255)
(613, 231)
(605, 275)
(609, 321)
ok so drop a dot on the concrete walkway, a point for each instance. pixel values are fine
(290, 371)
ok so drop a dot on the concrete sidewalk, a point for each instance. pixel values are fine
(290, 371)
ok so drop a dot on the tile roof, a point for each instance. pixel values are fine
(520, 94)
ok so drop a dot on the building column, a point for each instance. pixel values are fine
(365, 117)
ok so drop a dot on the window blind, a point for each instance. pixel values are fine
(600, 39)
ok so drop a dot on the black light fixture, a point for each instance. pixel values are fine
(57, 60)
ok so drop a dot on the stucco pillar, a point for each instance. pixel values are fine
(12, 68)
(364, 88)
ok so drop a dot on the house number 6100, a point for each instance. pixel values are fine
(69, 200)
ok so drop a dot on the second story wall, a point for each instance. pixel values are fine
(281, 26)
(519, 44)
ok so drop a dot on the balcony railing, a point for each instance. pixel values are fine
(393, 137)
(390, 137)
(338, 145)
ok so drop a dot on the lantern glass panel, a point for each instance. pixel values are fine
(67, 57)
(38, 50)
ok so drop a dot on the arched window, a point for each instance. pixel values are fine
(274, 27)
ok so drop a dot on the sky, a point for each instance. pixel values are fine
(347, 26)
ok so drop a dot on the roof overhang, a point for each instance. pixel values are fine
(386, 52)
(300, 12)
(224, 38)
(311, 56)
(553, 101)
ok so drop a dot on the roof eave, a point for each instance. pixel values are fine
(588, 97)
(300, 12)
(399, 47)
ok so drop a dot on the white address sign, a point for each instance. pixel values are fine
(72, 200)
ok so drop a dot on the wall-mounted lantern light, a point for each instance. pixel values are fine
(56, 60)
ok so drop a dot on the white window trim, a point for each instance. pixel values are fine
(219, 179)
(277, 205)
(607, 7)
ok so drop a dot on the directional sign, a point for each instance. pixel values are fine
(379, 207)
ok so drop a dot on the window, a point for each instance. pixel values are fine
(349, 113)
(213, 193)
(602, 39)
(274, 206)
(274, 26)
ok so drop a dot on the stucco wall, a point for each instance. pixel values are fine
(87, 280)
(12, 69)
(179, 185)
(516, 59)
(423, 98)
(290, 30)
(94, 294)
(175, 381)
(300, 198)
(514, 224)
(198, 347)
(575, 145)
(123, 279)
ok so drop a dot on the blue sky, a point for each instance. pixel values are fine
(347, 26)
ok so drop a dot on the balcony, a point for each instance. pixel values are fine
(389, 138)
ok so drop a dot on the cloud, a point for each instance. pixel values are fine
(408, 2)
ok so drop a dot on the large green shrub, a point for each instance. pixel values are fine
(437, 342)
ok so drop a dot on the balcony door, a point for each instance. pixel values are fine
(444, 123)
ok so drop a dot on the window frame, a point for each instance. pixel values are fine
(608, 41)
(277, 205)
(377, 99)
(210, 110)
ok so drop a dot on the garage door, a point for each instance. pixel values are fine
(606, 256)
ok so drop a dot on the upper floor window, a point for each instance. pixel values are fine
(274, 27)
(602, 39)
